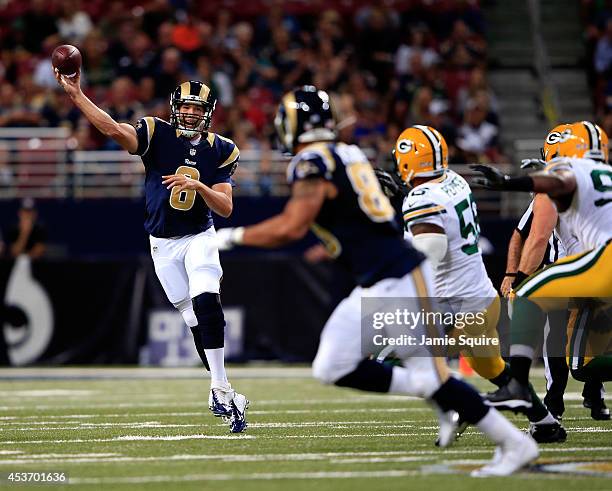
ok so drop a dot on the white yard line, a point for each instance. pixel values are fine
(331, 457)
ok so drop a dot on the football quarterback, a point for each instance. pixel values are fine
(188, 173)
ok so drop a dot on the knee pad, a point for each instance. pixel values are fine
(211, 322)
(186, 309)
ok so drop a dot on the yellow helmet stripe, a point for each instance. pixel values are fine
(185, 89)
(436, 146)
(204, 91)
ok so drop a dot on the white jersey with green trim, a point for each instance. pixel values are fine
(589, 216)
(448, 203)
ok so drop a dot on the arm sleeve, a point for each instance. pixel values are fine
(145, 127)
(421, 208)
(228, 161)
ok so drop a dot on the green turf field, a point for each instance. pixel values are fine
(156, 433)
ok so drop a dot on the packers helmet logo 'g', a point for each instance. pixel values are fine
(582, 139)
(404, 146)
(557, 137)
(420, 151)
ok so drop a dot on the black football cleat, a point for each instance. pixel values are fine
(555, 406)
(599, 410)
(510, 397)
(548, 433)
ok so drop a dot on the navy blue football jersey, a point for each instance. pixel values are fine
(170, 213)
(358, 226)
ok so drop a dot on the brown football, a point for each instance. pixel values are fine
(67, 59)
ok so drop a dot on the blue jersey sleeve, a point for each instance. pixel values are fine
(145, 128)
(228, 160)
(310, 164)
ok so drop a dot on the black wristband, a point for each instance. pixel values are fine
(521, 183)
(512, 275)
(520, 277)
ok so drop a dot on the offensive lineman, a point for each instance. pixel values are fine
(187, 175)
(335, 192)
(580, 185)
(441, 220)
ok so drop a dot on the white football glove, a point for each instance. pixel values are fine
(228, 238)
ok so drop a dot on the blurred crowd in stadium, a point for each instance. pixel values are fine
(597, 16)
(418, 62)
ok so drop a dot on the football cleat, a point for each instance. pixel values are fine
(237, 420)
(555, 406)
(509, 458)
(219, 401)
(447, 433)
(510, 397)
(548, 433)
(599, 410)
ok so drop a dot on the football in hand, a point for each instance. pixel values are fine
(67, 59)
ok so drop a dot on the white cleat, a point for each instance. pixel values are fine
(449, 422)
(219, 401)
(237, 420)
(509, 458)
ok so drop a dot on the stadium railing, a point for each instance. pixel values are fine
(43, 163)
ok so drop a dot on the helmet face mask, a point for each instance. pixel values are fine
(420, 151)
(304, 115)
(192, 123)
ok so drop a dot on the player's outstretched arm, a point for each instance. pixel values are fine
(544, 221)
(124, 134)
(556, 184)
(307, 197)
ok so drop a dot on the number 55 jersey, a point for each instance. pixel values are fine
(448, 203)
(356, 223)
(213, 160)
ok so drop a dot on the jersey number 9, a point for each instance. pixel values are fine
(184, 200)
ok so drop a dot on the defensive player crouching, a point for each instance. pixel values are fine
(335, 192)
(187, 174)
(579, 182)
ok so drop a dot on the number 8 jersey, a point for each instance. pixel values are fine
(448, 203)
(212, 160)
(358, 225)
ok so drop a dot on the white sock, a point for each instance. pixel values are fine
(216, 362)
(549, 419)
(497, 428)
(400, 381)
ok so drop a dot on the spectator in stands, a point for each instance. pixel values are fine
(478, 138)
(36, 25)
(171, 72)
(74, 23)
(29, 235)
(96, 63)
(464, 48)
(417, 44)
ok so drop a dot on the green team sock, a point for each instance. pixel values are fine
(537, 411)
